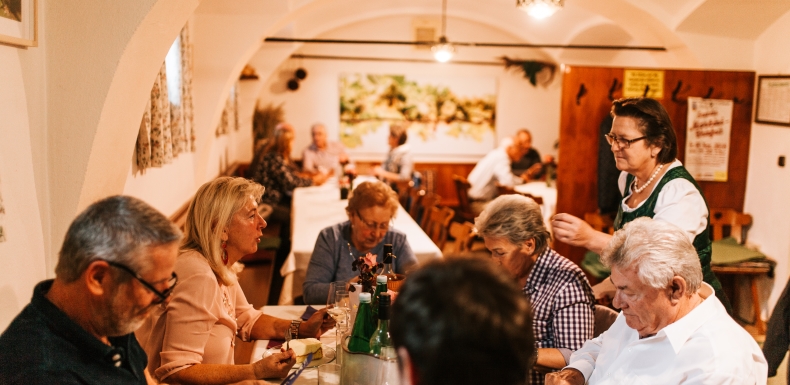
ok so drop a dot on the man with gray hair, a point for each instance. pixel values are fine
(322, 156)
(115, 266)
(672, 329)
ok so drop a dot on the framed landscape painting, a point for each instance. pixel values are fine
(18, 22)
(445, 118)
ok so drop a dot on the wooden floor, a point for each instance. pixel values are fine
(254, 280)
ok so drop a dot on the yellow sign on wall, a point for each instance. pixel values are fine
(636, 81)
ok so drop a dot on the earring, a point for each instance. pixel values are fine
(224, 246)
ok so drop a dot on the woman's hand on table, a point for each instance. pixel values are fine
(317, 324)
(275, 366)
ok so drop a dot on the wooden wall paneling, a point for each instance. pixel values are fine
(577, 170)
(725, 85)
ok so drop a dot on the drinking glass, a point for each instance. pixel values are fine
(329, 374)
(388, 373)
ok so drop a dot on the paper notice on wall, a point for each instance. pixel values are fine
(708, 129)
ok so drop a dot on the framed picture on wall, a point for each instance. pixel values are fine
(773, 100)
(19, 23)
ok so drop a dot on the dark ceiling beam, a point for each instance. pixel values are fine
(465, 44)
(386, 59)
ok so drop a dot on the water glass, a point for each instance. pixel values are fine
(329, 374)
(388, 373)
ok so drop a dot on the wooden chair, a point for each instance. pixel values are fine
(603, 319)
(438, 221)
(729, 221)
(404, 192)
(428, 202)
(462, 190)
(416, 203)
(464, 235)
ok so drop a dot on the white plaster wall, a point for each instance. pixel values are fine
(768, 185)
(22, 254)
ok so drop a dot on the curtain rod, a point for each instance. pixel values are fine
(466, 44)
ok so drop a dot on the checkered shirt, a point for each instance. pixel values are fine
(562, 305)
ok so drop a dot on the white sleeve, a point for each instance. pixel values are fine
(504, 175)
(621, 183)
(681, 204)
(584, 359)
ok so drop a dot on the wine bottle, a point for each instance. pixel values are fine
(363, 326)
(381, 287)
(380, 341)
(393, 280)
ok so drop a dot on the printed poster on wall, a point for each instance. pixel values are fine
(445, 117)
(708, 129)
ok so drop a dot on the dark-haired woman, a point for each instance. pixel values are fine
(653, 183)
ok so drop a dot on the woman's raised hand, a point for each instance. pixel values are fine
(275, 366)
(569, 229)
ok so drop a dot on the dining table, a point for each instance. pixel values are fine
(317, 207)
(545, 191)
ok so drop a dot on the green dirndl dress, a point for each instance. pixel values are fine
(702, 242)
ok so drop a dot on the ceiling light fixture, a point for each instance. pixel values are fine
(540, 9)
(443, 51)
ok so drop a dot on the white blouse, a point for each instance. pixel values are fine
(679, 203)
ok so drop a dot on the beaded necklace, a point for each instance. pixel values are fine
(638, 190)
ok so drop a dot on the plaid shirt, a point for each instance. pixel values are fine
(562, 305)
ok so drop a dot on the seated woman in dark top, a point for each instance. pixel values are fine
(370, 210)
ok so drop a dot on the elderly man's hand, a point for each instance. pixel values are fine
(566, 376)
(275, 366)
(317, 324)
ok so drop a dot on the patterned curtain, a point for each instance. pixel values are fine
(167, 129)
(229, 121)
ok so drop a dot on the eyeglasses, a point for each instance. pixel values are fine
(374, 225)
(161, 294)
(622, 143)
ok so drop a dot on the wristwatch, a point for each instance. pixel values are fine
(294, 328)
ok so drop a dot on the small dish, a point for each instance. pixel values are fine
(329, 355)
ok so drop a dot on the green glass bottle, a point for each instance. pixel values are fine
(363, 326)
(380, 341)
(381, 287)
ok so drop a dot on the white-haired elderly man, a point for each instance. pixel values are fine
(672, 329)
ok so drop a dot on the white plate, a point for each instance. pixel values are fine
(329, 355)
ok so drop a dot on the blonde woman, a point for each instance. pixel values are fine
(191, 338)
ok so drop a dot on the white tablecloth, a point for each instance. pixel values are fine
(309, 375)
(315, 208)
(549, 195)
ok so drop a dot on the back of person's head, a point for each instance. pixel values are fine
(398, 131)
(210, 212)
(369, 194)
(464, 321)
(515, 218)
(658, 250)
(654, 123)
(117, 229)
(281, 142)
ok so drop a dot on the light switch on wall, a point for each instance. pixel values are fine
(781, 161)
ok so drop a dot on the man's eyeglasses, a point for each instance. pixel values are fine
(162, 295)
(374, 225)
(622, 143)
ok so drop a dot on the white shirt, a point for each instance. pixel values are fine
(704, 347)
(316, 159)
(492, 169)
(679, 203)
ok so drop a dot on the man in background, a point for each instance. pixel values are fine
(115, 265)
(462, 321)
(530, 165)
(672, 329)
(322, 156)
(495, 170)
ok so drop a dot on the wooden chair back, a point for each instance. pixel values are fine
(428, 202)
(504, 190)
(416, 203)
(603, 319)
(602, 223)
(464, 235)
(738, 223)
(462, 190)
(438, 222)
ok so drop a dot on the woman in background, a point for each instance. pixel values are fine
(562, 300)
(370, 210)
(191, 339)
(399, 165)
